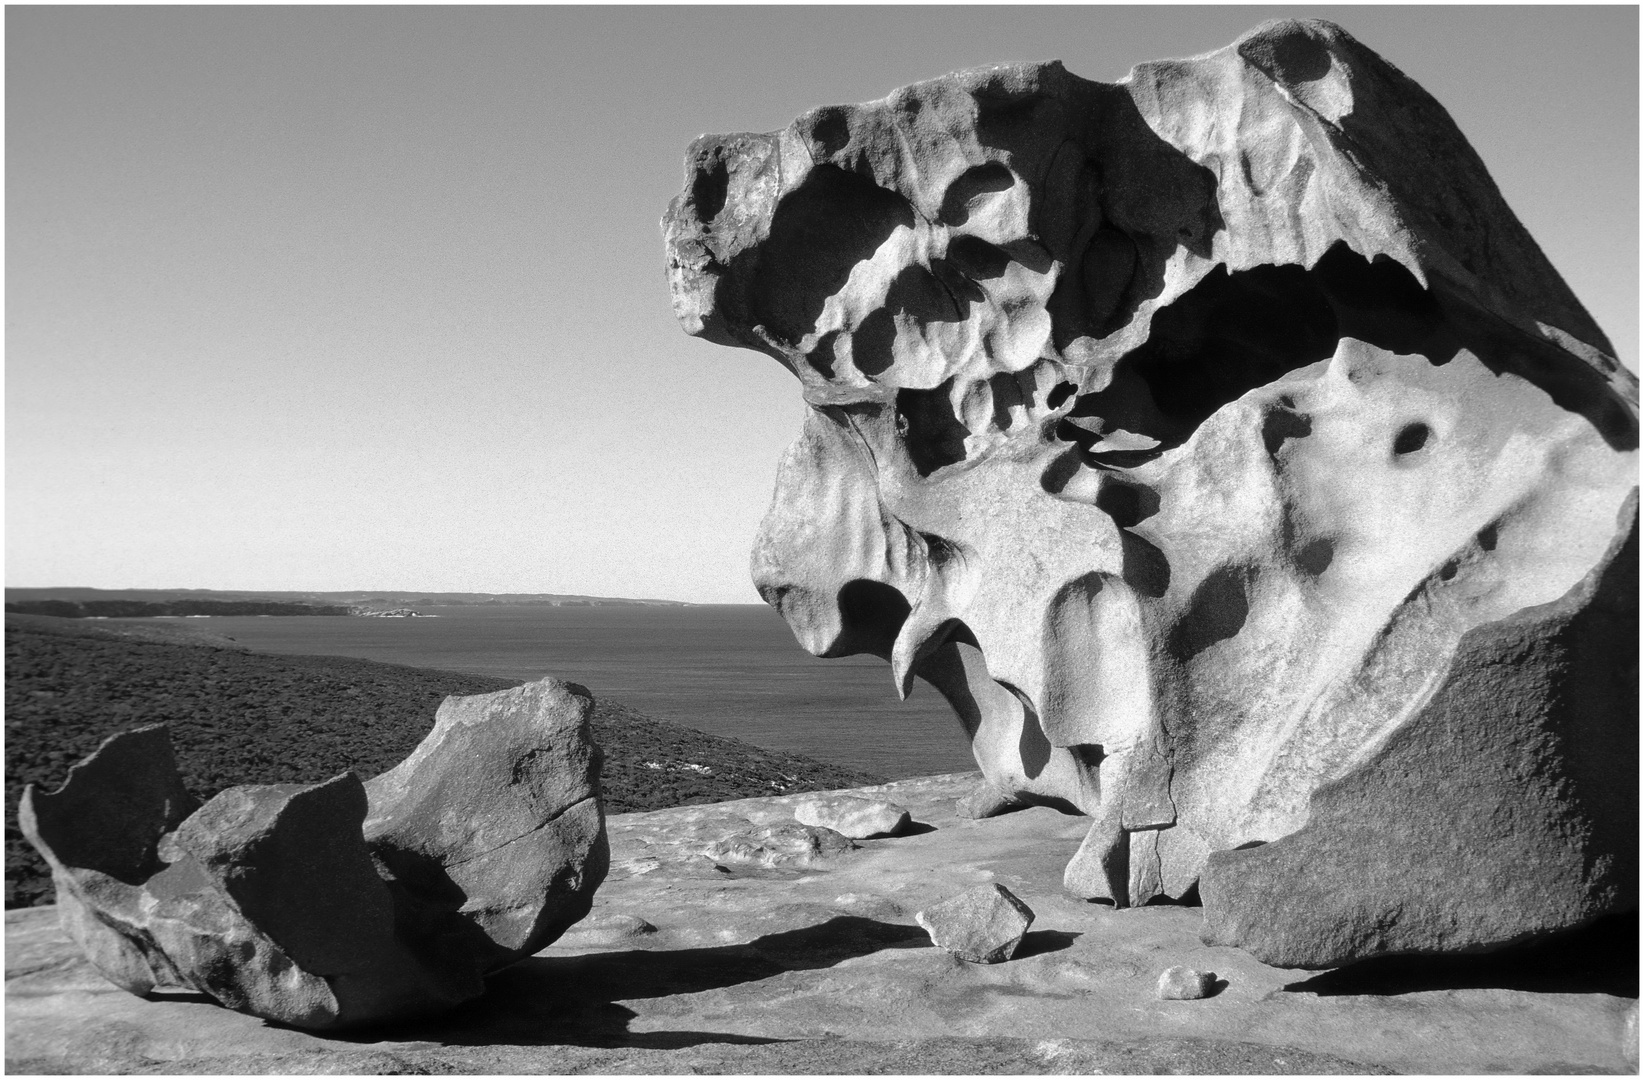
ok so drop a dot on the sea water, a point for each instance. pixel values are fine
(731, 669)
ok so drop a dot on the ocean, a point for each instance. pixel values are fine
(731, 669)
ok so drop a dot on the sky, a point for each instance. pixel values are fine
(310, 298)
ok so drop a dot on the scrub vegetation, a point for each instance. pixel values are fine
(239, 717)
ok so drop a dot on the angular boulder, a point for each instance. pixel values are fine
(852, 815)
(340, 903)
(984, 925)
(1225, 451)
(1184, 984)
(1481, 828)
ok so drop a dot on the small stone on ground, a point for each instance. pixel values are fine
(983, 925)
(1185, 984)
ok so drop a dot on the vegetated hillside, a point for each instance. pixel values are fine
(355, 598)
(143, 609)
(244, 718)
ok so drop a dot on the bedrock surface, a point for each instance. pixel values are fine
(821, 968)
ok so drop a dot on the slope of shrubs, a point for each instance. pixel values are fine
(244, 718)
(148, 609)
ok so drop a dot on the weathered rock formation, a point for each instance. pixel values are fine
(1229, 456)
(785, 845)
(340, 903)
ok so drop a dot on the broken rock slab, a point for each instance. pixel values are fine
(984, 925)
(853, 816)
(340, 903)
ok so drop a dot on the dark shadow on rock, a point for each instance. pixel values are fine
(180, 997)
(933, 435)
(1220, 605)
(574, 1000)
(913, 828)
(1145, 567)
(833, 220)
(1601, 958)
(1190, 898)
(1033, 748)
(1039, 942)
(1574, 386)
(681, 1040)
(871, 614)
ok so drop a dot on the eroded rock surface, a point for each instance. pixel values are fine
(340, 903)
(823, 971)
(1225, 451)
(786, 844)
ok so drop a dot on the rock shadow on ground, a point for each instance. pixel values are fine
(576, 1000)
(1601, 958)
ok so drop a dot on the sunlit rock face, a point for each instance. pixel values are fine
(338, 904)
(1223, 449)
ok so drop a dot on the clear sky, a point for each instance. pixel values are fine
(373, 297)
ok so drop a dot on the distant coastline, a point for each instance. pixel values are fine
(86, 603)
(242, 717)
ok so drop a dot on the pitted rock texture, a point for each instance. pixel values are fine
(1218, 443)
(852, 817)
(340, 903)
(984, 925)
(786, 844)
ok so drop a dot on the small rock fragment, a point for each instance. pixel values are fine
(1185, 984)
(983, 925)
(852, 815)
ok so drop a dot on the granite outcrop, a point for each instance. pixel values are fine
(1229, 456)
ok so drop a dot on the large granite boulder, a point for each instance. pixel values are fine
(1229, 456)
(340, 903)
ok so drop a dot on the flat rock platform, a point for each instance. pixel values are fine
(820, 968)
